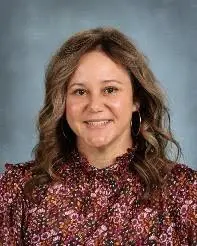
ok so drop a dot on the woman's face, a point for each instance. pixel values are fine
(99, 102)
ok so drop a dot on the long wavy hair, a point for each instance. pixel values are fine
(155, 141)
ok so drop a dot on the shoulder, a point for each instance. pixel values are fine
(180, 198)
(183, 170)
(19, 170)
(12, 201)
(14, 178)
(180, 178)
(180, 190)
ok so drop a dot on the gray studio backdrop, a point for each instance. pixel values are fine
(30, 31)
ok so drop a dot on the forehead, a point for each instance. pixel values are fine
(98, 66)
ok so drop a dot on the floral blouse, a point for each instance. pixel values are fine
(91, 206)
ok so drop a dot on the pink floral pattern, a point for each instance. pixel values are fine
(91, 206)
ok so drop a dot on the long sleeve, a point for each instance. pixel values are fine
(12, 205)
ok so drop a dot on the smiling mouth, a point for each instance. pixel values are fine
(97, 123)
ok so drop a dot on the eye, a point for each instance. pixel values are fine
(110, 90)
(79, 92)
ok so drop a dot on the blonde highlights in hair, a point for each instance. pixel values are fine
(151, 159)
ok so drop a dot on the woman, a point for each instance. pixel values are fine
(102, 173)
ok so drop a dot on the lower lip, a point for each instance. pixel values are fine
(101, 126)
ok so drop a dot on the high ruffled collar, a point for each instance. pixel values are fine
(121, 163)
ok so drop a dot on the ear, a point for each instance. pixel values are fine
(136, 106)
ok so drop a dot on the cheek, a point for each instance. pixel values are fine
(71, 109)
(122, 104)
(122, 109)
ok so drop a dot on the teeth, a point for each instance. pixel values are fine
(98, 123)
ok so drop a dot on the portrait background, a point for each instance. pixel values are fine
(30, 31)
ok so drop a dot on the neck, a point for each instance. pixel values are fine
(102, 157)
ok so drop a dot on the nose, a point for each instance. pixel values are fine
(95, 103)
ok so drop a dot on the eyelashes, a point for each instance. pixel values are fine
(106, 90)
(111, 89)
(79, 92)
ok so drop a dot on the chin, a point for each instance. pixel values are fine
(98, 146)
(98, 143)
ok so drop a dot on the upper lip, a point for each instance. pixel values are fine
(97, 120)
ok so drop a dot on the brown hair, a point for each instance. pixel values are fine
(151, 158)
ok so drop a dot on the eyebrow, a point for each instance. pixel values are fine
(103, 81)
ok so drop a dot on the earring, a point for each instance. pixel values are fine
(66, 131)
(62, 130)
(136, 119)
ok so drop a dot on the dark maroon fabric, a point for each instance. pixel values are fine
(91, 206)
